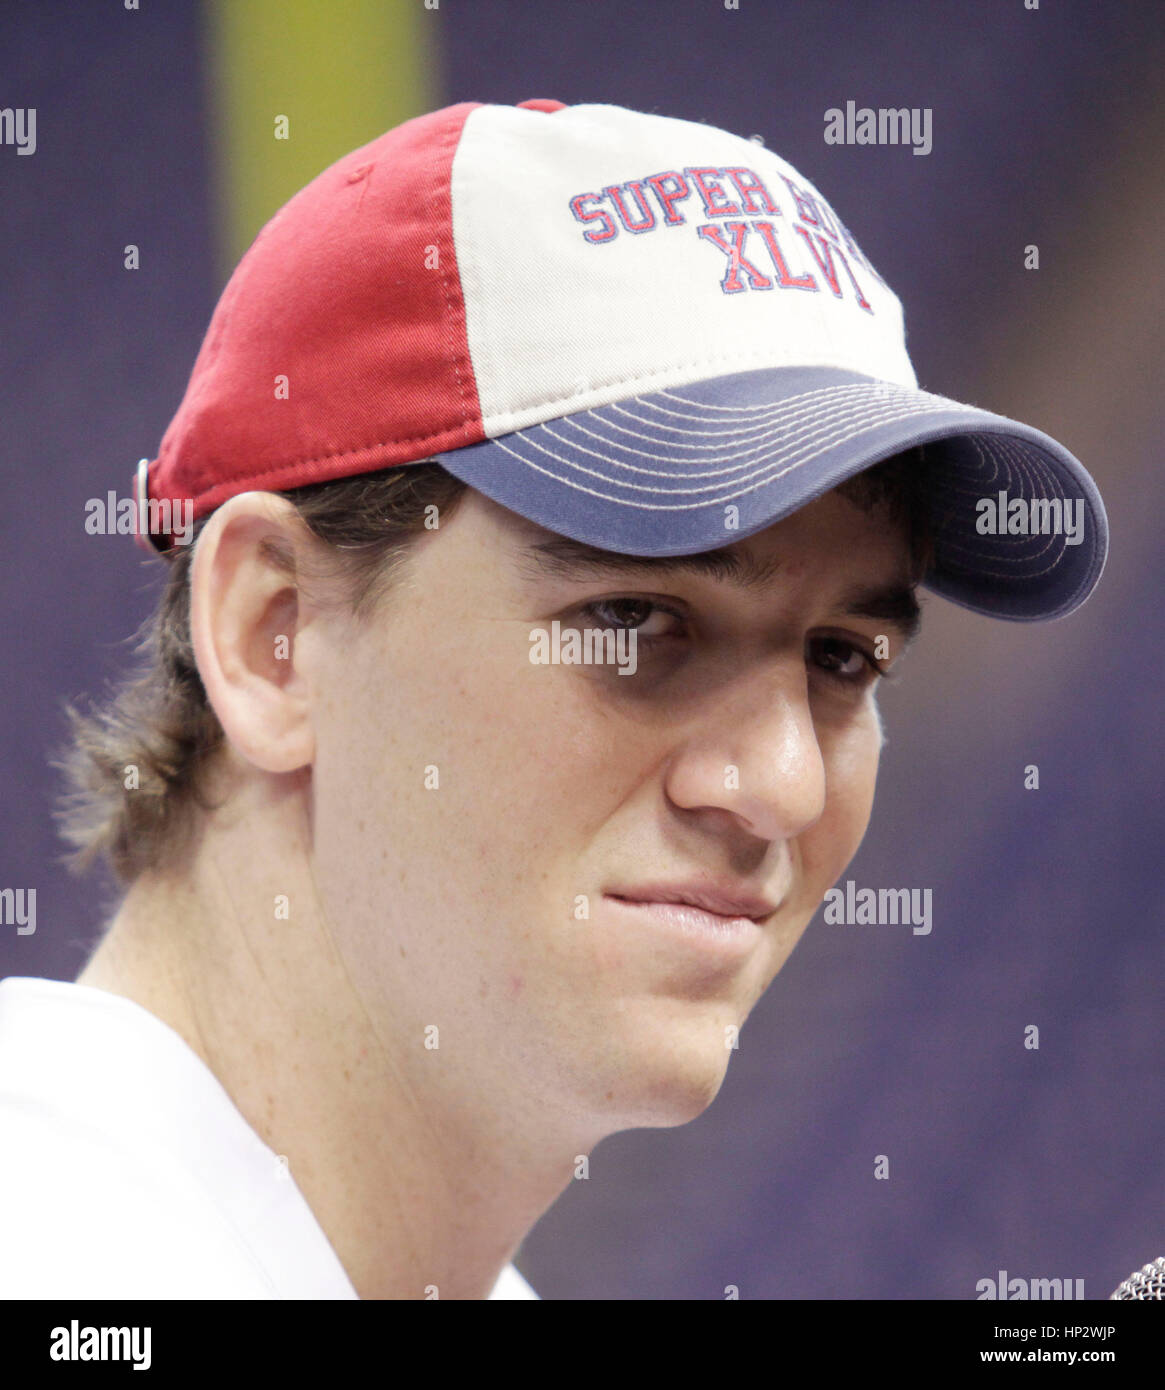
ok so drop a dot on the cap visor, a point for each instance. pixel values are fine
(699, 466)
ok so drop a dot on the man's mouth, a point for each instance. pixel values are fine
(721, 900)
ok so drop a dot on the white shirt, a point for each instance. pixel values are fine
(127, 1172)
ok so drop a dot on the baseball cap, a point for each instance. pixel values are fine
(642, 332)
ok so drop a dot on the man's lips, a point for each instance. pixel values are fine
(719, 899)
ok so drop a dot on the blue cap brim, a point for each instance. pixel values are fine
(696, 467)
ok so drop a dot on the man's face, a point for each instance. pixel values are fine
(495, 840)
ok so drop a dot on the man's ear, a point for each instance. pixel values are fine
(247, 613)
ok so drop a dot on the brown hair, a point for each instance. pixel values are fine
(159, 723)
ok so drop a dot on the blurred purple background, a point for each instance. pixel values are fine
(1048, 128)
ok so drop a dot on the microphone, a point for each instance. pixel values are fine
(1146, 1283)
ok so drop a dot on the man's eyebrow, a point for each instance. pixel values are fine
(895, 604)
(565, 558)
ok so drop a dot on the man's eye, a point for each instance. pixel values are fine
(844, 660)
(646, 619)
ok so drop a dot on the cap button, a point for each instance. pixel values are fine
(546, 104)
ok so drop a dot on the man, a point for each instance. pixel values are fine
(436, 875)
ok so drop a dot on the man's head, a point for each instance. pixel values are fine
(478, 826)
(639, 422)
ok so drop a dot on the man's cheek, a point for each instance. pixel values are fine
(830, 844)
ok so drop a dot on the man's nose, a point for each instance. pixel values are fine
(758, 759)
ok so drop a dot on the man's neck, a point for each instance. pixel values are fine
(417, 1180)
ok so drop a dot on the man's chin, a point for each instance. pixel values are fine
(672, 1087)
